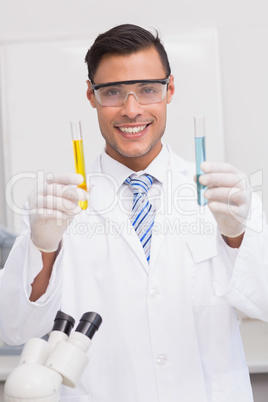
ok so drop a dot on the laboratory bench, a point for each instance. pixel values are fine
(255, 340)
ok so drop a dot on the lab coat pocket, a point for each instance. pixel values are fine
(202, 247)
(232, 387)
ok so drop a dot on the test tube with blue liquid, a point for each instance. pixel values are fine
(200, 156)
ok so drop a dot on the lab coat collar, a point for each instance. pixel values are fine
(104, 200)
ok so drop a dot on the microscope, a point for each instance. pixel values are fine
(46, 364)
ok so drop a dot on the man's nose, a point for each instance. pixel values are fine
(132, 106)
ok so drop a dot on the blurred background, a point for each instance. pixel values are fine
(218, 55)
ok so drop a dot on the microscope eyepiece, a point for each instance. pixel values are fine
(89, 324)
(63, 322)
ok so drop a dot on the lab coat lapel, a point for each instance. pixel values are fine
(158, 233)
(103, 199)
(166, 213)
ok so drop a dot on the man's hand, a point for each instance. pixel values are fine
(51, 209)
(228, 194)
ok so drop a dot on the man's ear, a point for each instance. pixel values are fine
(171, 89)
(90, 95)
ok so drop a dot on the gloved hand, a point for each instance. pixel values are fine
(52, 207)
(228, 194)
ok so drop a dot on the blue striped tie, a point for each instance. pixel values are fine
(143, 214)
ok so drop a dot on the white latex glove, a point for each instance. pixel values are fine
(228, 194)
(51, 208)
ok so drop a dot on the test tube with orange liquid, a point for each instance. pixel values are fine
(79, 159)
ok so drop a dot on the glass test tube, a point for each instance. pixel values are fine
(79, 156)
(200, 156)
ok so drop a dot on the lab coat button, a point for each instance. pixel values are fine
(154, 293)
(162, 360)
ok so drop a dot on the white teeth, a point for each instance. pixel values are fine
(132, 130)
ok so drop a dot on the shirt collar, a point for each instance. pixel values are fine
(120, 172)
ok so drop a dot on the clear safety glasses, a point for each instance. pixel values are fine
(116, 94)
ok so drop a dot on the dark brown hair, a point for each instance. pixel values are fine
(124, 40)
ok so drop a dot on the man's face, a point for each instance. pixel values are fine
(132, 132)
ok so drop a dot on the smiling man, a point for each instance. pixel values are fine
(166, 288)
(134, 125)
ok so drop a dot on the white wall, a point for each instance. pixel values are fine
(243, 32)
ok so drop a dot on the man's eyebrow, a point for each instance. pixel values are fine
(145, 83)
(129, 82)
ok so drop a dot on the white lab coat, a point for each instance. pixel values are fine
(170, 331)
